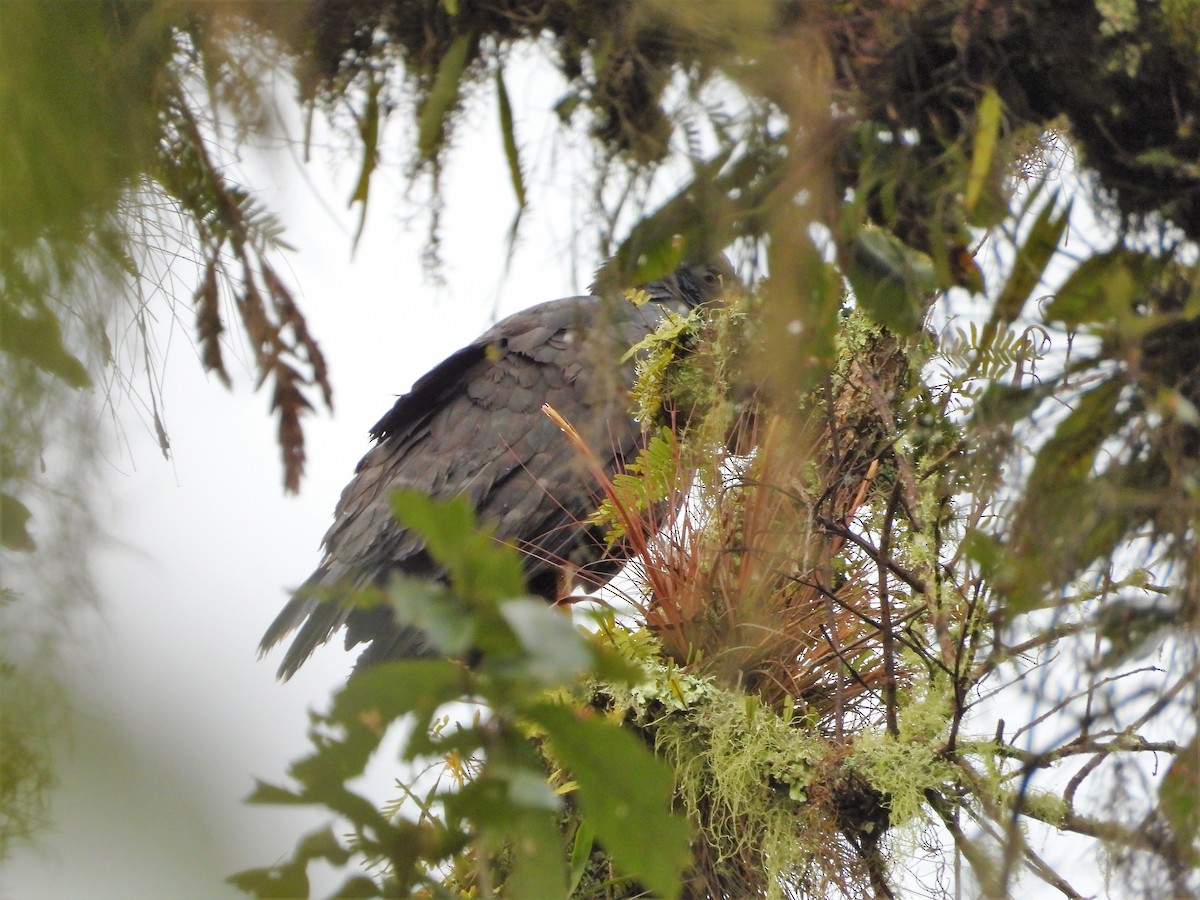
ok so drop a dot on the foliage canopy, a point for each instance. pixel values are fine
(931, 459)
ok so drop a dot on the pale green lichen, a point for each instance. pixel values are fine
(1049, 808)
(858, 333)
(656, 355)
(926, 717)
(904, 767)
(742, 771)
(743, 775)
(902, 771)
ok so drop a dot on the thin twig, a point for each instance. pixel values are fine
(913, 581)
(885, 615)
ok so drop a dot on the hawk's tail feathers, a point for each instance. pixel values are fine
(316, 618)
(318, 615)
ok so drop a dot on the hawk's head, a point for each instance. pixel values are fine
(690, 286)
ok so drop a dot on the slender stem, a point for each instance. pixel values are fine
(885, 615)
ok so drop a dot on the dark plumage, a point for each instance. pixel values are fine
(474, 425)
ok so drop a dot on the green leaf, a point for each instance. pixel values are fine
(581, 854)
(1060, 524)
(443, 617)
(1003, 404)
(479, 566)
(659, 259)
(1179, 797)
(611, 667)
(511, 154)
(697, 222)
(358, 886)
(537, 857)
(513, 157)
(511, 804)
(443, 97)
(1132, 629)
(482, 800)
(987, 131)
(465, 740)
(556, 653)
(415, 848)
(374, 698)
(891, 281)
(38, 339)
(446, 525)
(323, 788)
(984, 550)
(365, 707)
(1071, 452)
(291, 879)
(369, 131)
(14, 517)
(625, 792)
(1103, 288)
(1031, 261)
(268, 793)
(322, 844)
(282, 882)
(526, 785)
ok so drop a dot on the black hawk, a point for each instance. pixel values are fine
(474, 425)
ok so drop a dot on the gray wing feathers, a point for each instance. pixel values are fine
(474, 426)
